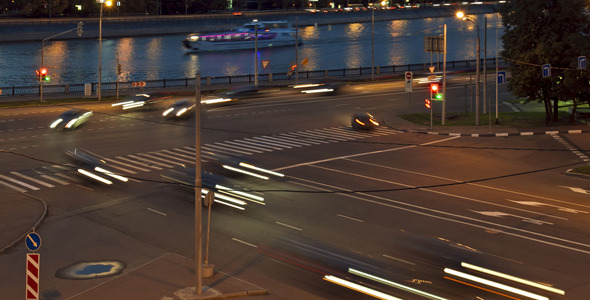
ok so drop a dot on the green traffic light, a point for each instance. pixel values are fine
(46, 78)
(438, 96)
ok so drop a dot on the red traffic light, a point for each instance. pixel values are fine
(43, 71)
(434, 87)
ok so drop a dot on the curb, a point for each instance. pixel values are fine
(504, 134)
(35, 226)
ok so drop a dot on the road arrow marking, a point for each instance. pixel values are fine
(499, 214)
(538, 204)
(577, 190)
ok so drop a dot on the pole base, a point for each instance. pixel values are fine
(208, 271)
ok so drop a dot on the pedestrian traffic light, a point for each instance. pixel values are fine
(427, 103)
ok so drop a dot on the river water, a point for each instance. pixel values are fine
(396, 42)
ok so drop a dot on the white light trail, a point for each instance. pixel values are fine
(395, 285)
(359, 288)
(96, 177)
(245, 165)
(245, 172)
(495, 284)
(513, 278)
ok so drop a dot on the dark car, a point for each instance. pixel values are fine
(141, 101)
(180, 109)
(71, 119)
(364, 121)
(92, 166)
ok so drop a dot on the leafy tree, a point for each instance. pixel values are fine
(547, 32)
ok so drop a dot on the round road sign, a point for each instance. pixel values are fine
(408, 75)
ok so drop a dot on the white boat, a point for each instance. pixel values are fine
(270, 34)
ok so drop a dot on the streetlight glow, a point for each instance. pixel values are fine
(460, 15)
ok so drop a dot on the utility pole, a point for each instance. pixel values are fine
(198, 189)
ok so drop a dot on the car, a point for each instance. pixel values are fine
(142, 101)
(71, 119)
(180, 109)
(364, 121)
(92, 166)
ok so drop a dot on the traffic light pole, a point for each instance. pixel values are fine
(78, 29)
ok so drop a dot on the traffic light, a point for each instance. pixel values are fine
(427, 103)
(43, 75)
(435, 92)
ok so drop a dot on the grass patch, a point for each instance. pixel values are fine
(511, 119)
(582, 170)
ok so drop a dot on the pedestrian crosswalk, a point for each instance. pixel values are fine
(130, 164)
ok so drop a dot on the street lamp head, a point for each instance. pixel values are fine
(108, 3)
(460, 15)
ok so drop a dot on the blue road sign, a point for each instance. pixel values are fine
(581, 62)
(546, 70)
(501, 77)
(33, 241)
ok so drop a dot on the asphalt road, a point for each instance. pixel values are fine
(401, 206)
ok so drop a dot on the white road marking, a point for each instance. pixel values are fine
(460, 219)
(350, 218)
(560, 208)
(13, 187)
(577, 190)
(289, 226)
(128, 165)
(158, 212)
(499, 214)
(33, 179)
(245, 243)
(55, 180)
(398, 259)
(34, 188)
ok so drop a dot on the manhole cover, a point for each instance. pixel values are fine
(90, 270)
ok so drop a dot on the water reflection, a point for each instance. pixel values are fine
(327, 47)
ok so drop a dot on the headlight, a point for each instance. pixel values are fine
(72, 123)
(54, 124)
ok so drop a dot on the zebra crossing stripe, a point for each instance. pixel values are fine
(127, 165)
(16, 188)
(249, 147)
(300, 137)
(156, 158)
(34, 188)
(209, 149)
(258, 144)
(227, 148)
(173, 157)
(317, 137)
(294, 140)
(192, 158)
(191, 153)
(333, 136)
(55, 180)
(276, 141)
(72, 179)
(137, 162)
(33, 179)
(122, 169)
(267, 143)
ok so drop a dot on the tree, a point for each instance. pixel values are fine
(547, 32)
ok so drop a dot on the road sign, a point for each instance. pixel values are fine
(32, 279)
(501, 77)
(33, 241)
(305, 61)
(581, 62)
(431, 69)
(265, 63)
(138, 84)
(546, 70)
(409, 77)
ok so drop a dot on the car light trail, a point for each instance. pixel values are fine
(359, 288)
(248, 195)
(217, 100)
(54, 124)
(109, 173)
(306, 85)
(495, 284)
(167, 111)
(122, 103)
(180, 112)
(359, 121)
(395, 285)
(133, 105)
(230, 199)
(245, 172)
(96, 177)
(245, 165)
(230, 205)
(318, 91)
(71, 123)
(513, 278)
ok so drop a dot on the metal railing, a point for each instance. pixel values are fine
(344, 73)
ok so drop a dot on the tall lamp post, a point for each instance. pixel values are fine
(102, 3)
(462, 16)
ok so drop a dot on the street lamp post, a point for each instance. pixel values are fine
(102, 3)
(462, 16)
